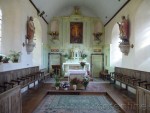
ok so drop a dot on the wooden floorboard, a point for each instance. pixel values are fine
(33, 97)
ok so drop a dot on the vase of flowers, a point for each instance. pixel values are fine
(1, 59)
(74, 87)
(82, 64)
(74, 82)
(85, 82)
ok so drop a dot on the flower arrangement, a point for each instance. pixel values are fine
(85, 81)
(82, 64)
(1, 57)
(64, 85)
(75, 81)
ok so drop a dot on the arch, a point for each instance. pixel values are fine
(142, 36)
(115, 53)
(37, 52)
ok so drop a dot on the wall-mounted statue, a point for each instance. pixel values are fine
(30, 35)
(124, 35)
(124, 29)
(30, 28)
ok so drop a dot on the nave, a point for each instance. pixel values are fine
(33, 97)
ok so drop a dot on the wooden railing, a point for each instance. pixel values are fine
(10, 101)
(143, 100)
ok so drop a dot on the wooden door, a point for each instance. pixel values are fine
(97, 64)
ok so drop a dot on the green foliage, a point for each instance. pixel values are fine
(84, 56)
(57, 84)
(85, 81)
(14, 56)
(57, 78)
(66, 55)
(6, 59)
(57, 81)
(1, 57)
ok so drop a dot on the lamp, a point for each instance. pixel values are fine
(54, 34)
(97, 36)
(54, 29)
(97, 31)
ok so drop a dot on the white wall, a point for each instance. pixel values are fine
(15, 14)
(138, 13)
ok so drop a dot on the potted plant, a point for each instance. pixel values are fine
(84, 56)
(85, 82)
(57, 82)
(74, 82)
(66, 56)
(1, 59)
(57, 85)
(14, 56)
(6, 59)
(65, 85)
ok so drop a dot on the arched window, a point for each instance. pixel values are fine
(115, 53)
(0, 30)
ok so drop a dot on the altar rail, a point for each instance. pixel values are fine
(10, 101)
(143, 100)
(23, 77)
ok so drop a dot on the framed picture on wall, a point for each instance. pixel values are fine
(76, 32)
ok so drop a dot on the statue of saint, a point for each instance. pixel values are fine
(124, 29)
(30, 29)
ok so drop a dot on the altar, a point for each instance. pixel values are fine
(72, 66)
(75, 68)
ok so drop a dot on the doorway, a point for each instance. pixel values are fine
(97, 64)
(54, 63)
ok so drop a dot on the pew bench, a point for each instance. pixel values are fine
(130, 78)
(23, 77)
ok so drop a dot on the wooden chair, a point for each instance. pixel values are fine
(104, 74)
(56, 69)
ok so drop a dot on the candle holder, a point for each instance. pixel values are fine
(54, 35)
(97, 36)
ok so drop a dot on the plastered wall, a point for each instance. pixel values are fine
(138, 13)
(15, 13)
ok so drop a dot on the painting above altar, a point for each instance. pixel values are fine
(76, 32)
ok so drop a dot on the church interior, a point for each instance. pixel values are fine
(74, 56)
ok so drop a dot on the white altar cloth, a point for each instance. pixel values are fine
(77, 72)
(75, 64)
